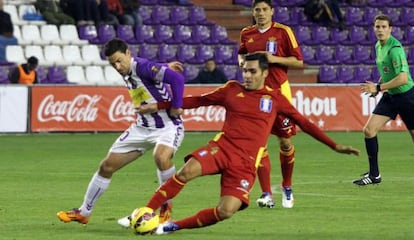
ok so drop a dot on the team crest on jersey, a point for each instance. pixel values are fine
(271, 45)
(266, 104)
(386, 70)
(244, 184)
(214, 150)
(155, 69)
(202, 153)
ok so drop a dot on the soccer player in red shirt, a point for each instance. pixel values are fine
(279, 44)
(236, 152)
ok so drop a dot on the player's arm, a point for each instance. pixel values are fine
(176, 81)
(290, 61)
(311, 129)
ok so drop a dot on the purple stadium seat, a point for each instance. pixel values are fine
(197, 15)
(148, 2)
(126, 33)
(230, 71)
(406, 16)
(56, 75)
(181, 33)
(88, 32)
(178, 15)
(400, 3)
(105, 33)
(362, 55)
(203, 53)
(167, 53)
(296, 16)
(199, 34)
(409, 35)
(345, 74)
(159, 15)
(370, 38)
(246, 3)
(41, 73)
(320, 34)
(145, 13)
(218, 34)
(342, 54)
(144, 33)
(362, 73)
(357, 35)
(410, 56)
(324, 54)
(162, 33)
(190, 72)
(338, 37)
(394, 14)
(303, 35)
(223, 53)
(282, 15)
(185, 52)
(369, 15)
(354, 15)
(148, 51)
(398, 33)
(308, 54)
(375, 76)
(327, 74)
(4, 71)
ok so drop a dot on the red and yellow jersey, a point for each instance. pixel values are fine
(280, 40)
(250, 115)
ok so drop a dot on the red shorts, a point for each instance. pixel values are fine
(238, 173)
(283, 127)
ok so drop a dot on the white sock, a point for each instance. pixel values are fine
(97, 186)
(165, 175)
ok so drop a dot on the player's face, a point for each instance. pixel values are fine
(253, 76)
(382, 30)
(121, 62)
(262, 14)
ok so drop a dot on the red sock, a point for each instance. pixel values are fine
(263, 173)
(168, 190)
(287, 160)
(203, 218)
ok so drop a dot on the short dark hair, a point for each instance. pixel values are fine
(33, 61)
(268, 2)
(261, 57)
(383, 17)
(115, 45)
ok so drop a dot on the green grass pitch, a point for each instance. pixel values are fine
(42, 174)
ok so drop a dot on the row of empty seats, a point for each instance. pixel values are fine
(17, 11)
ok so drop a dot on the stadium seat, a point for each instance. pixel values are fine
(303, 35)
(178, 15)
(362, 54)
(72, 55)
(88, 32)
(378, 3)
(203, 53)
(185, 52)
(126, 33)
(94, 75)
(76, 74)
(162, 33)
(357, 35)
(218, 34)
(50, 34)
(148, 51)
(53, 53)
(41, 74)
(18, 34)
(338, 37)
(282, 15)
(362, 73)
(31, 33)
(29, 8)
(12, 10)
(106, 32)
(406, 16)
(112, 77)
(4, 72)
(323, 55)
(375, 74)
(371, 39)
(354, 15)
(181, 33)
(167, 52)
(145, 12)
(92, 54)
(57, 75)
(159, 15)
(190, 72)
(15, 54)
(327, 74)
(296, 16)
(148, 2)
(369, 15)
(37, 51)
(144, 33)
(320, 35)
(197, 15)
(230, 71)
(398, 33)
(345, 74)
(223, 53)
(199, 34)
(69, 34)
(394, 14)
(400, 3)
(343, 55)
(308, 54)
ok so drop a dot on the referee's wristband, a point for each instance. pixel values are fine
(378, 88)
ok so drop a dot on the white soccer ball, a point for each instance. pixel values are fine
(144, 220)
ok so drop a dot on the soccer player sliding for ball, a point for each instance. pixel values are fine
(234, 153)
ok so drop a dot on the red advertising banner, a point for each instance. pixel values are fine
(105, 108)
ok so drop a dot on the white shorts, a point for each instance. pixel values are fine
(137, 138)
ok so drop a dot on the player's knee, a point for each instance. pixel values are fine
(225, 213)
(106, 169)
(285, 143)
(369, 132)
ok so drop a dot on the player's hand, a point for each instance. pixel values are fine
(347, 149)
(146, 108)
(176, 112)
(176, 66)
(369, 88)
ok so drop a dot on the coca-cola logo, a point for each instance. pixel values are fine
(81, 109)
(205, 114)
(121, 110)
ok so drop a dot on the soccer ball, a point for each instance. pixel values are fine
(144, 220)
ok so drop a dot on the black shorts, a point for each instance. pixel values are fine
(398, 104)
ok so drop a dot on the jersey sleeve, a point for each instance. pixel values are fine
(287, 109)
(399, 60)
(242, 46)
(294, 48)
